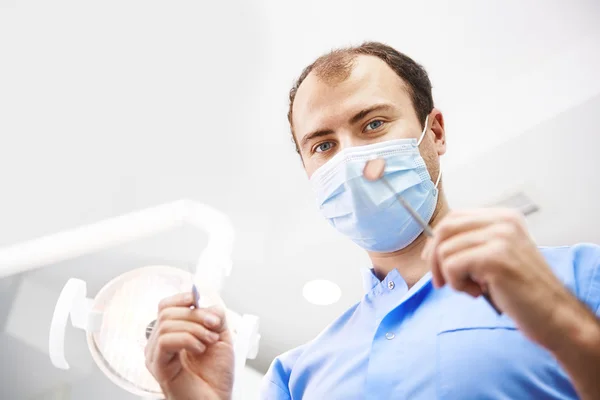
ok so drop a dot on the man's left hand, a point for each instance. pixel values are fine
(490, 250)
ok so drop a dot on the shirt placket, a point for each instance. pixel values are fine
(387, 340)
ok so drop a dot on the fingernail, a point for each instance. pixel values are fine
(213, 336)
(212, 320)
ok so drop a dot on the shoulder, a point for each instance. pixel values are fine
(578, 267)
(275, 384)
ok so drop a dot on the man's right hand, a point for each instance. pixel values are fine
(190, 351)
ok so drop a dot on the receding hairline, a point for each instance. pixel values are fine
(337, 65)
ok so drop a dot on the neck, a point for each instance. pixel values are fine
(408, 261)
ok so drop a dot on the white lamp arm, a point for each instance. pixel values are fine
(76, 242)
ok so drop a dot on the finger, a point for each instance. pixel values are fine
(170, 344)
(221, 321)
(456, 222)
(471, 288)
(463, 241)
(149, 350)
(456, 274)
(212, 318)
(453, 245)
(199, 331)
(185, 299)
(462, 268)
(459, 222)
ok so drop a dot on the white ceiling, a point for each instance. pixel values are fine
(107, 108)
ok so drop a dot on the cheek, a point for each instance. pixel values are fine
(402, 129)
(431, 158)
(310, 167)
(315, 161)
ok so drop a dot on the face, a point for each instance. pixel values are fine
(372, 105)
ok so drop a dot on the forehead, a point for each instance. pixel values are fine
(320, 102)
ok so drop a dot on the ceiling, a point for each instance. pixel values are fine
(108, 108)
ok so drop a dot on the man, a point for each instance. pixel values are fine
(423, 330)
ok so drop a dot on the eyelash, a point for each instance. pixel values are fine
(320, 144)
(374, 129)
(365, 129)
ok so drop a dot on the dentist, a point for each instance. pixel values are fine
(422, 329)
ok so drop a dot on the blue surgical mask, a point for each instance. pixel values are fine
(368, 212)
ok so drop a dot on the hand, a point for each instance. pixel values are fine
(490, 250)
(190, 351)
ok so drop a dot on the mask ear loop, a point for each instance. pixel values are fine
(424, 132)
(437, 182)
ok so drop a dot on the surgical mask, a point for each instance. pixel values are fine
(368, 212)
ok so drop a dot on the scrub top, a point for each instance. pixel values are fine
(427, 343)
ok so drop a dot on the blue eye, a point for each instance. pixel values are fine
(374, 125)
(324, 147)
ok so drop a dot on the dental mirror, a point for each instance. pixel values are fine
(373, 171)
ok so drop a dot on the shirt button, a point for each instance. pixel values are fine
(391, 285)
(389, 336)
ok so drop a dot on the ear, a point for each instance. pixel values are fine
(437, 127)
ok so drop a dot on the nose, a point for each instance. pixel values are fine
(347, 140)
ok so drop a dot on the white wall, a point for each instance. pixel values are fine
(251, 384)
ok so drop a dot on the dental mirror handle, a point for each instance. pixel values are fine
(427, 230)
(373, 171)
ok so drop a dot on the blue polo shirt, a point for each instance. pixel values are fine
(427, 343)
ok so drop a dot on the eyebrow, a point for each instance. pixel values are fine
(314, 135)
(356, 118)
(363, 113)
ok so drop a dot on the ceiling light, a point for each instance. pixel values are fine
(321, 292)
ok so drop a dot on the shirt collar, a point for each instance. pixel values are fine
(370, 280)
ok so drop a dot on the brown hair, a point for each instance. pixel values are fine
(337, 66)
